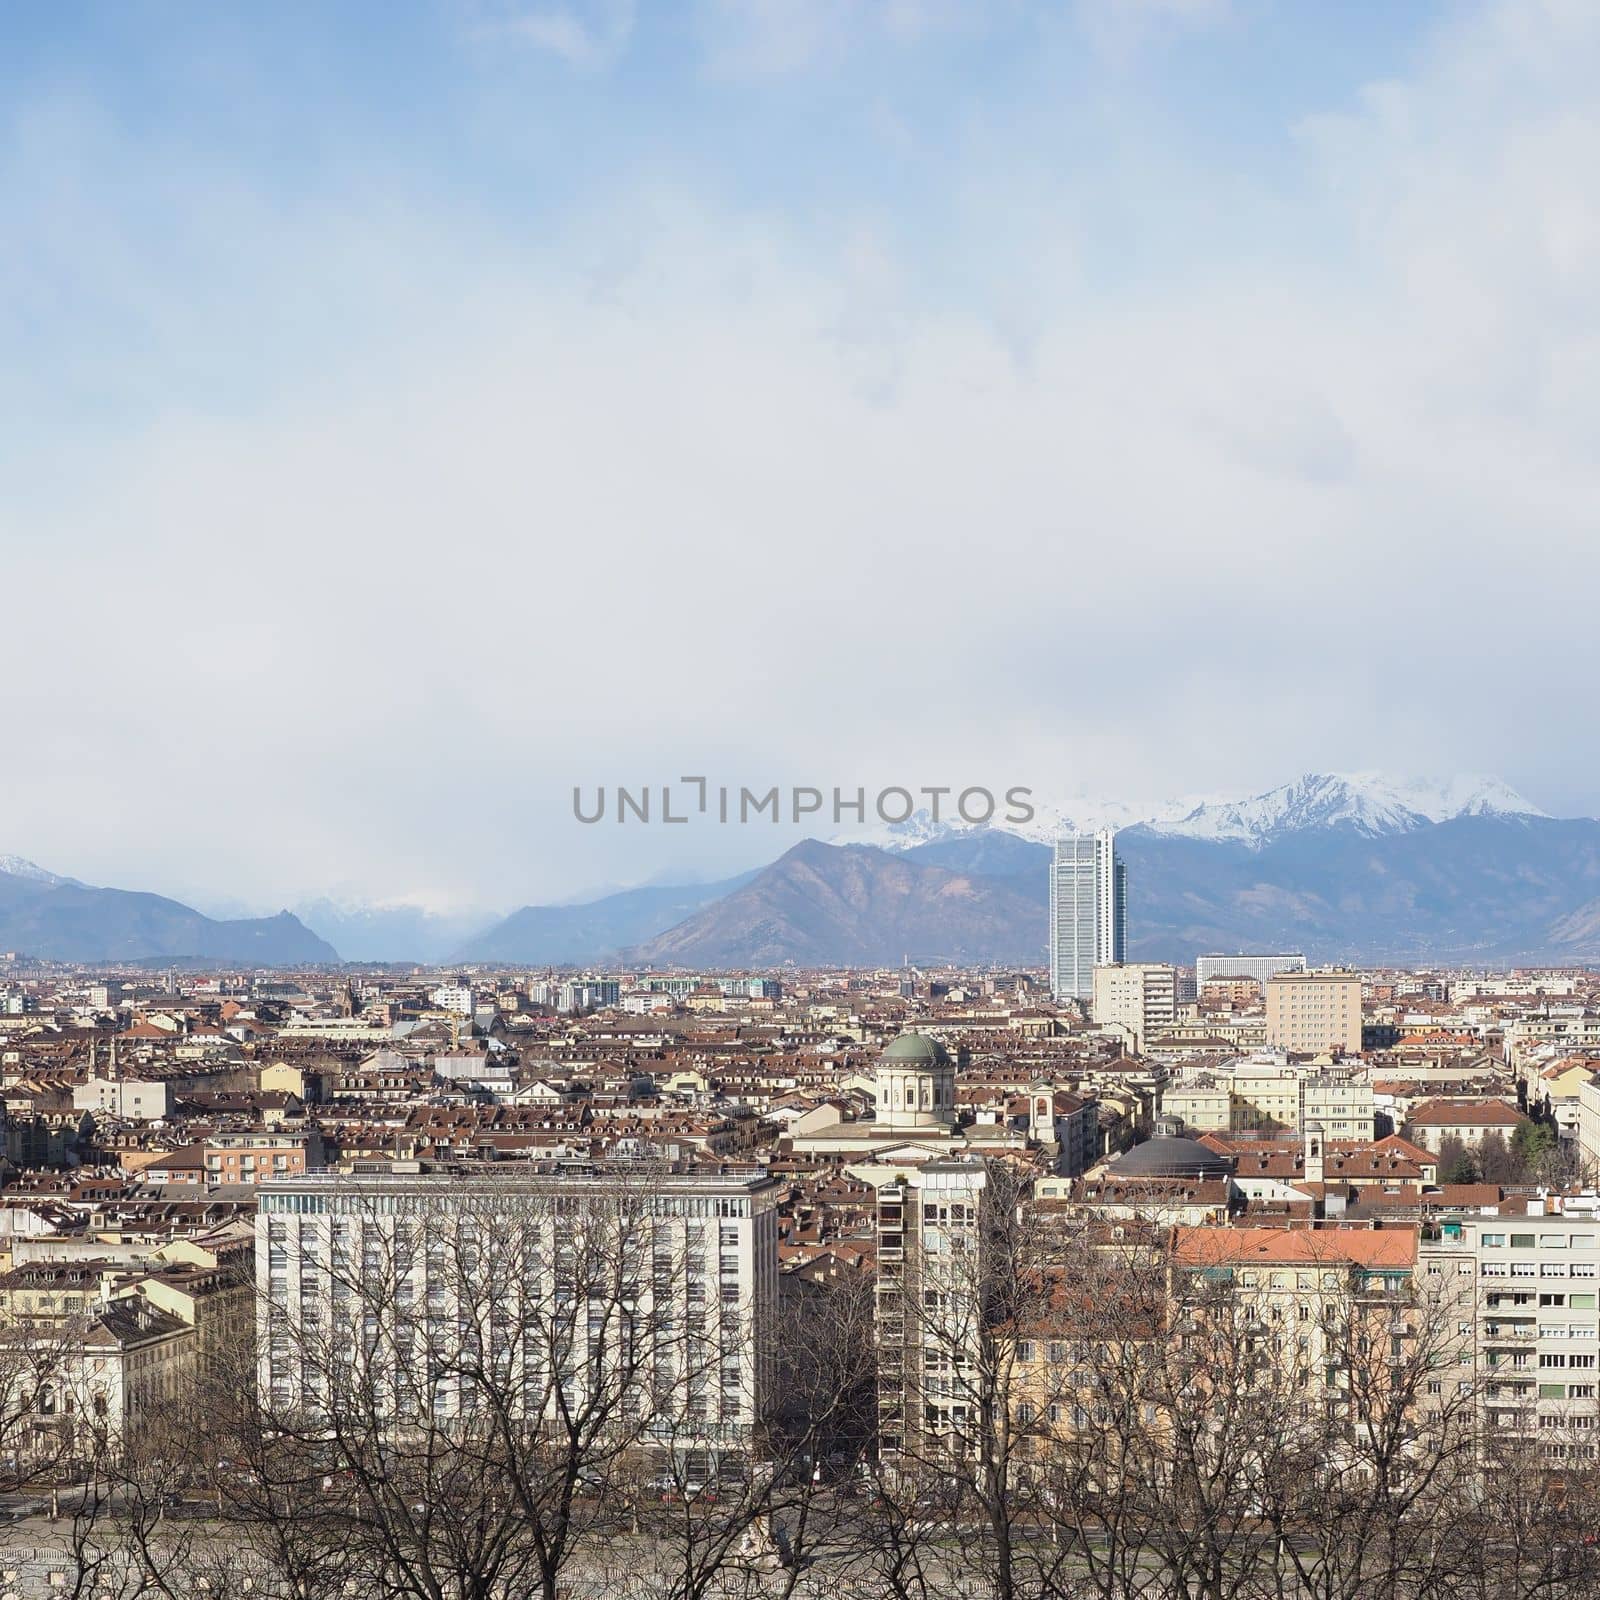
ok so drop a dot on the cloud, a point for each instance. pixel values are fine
(1119, 27)
(587, 36)
(355, 531)
(770, 38)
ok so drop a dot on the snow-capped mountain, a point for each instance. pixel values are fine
(1367, 802)
(21, 867)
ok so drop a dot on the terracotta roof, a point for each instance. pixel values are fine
(1359, 1247)
(1469, 1114)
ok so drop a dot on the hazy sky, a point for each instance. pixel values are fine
(412, 410)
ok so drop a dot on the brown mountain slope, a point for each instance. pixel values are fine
(855, 905)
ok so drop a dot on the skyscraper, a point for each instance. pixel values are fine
(1088, 912)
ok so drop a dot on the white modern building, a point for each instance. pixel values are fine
(1259, 967)
(1088, 912)
(683, 1267)
(453, 997)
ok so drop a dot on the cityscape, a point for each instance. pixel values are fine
(795, 800)
(1241, 1275)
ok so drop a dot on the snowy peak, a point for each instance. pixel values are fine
(21, 867)
(1366, 802)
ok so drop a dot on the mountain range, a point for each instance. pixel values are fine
(1343, 866)
(60, 919)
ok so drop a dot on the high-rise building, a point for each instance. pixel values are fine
(1139, 997)
(1088, 912)
(929, 1303)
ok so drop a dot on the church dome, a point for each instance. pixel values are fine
(916, 1049)
(1170, 1157)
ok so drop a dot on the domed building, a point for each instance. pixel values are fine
(913, 1088)
(1170, 1156)
(916, 1082)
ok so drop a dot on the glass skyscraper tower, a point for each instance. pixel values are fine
(1088, 912)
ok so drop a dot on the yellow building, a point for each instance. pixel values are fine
(1314, 1013)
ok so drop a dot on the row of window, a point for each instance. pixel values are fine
(1540, 1269)
(1546, 1241)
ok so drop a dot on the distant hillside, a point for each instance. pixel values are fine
(62, 920)
(1472, 889)
(1489, 888)
(856, 905)
(551, 935)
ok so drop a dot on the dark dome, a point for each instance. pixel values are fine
(1164, 1157)
(917, 1050)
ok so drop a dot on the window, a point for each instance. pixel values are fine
(1522, 1241)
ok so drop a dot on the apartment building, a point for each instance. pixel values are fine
(1137, 997)
(682, 1265)
(1264, 1096)
(1321, 1299)
(1532, 1310)
(1314, 1013)
(928, 1310)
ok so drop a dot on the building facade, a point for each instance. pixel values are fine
(1209, 968)
(1088, 912)
(1531, 1277)
(681, 1268)
(929, 1304)
(1137, 997)
(1314, 1013)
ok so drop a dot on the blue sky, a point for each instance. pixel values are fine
(413, 410)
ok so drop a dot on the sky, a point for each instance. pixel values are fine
(410, 412)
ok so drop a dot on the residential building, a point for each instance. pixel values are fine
(928, 1310)
(1534, 1319)
(1136, 997)
(1314, 1013)
(689, 1265)
(453, 997)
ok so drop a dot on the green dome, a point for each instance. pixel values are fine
(917, 1050)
